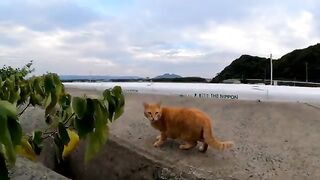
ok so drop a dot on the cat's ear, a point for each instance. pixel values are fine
(145, 105)
(159, 104)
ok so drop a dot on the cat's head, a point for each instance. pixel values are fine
(152, 111)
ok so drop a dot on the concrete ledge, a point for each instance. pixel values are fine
(120, 160)
(28, 170)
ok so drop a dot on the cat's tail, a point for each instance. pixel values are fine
(212, 141)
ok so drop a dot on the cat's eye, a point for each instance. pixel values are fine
(156, 113)
(150, 113)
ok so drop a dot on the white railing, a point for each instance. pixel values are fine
(214, 91)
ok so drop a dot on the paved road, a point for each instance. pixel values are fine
(273, 140)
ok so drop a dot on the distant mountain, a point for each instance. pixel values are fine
(181, 79)
(291, 66)
(167, 76)
(103, 78)
(176, 78)
(245, 67)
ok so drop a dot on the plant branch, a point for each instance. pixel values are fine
(46, 137)
(50, 134)
(65, 123)
(24, 109)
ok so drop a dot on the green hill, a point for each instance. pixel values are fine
(291, 66)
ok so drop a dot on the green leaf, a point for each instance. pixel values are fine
(5, 139)
(117, 91)
(115, 102)
(24, 92)
(85, 124)
(106, 93)
(53, 90)
(111, 103)
(37, 137)
(63, 134)
(65, 101)
(58, 83)
(58, 147)
(48, 120)
(3, 168)
(5, 95)
(37, 86)
(79, 106)
(98, 137)
(8, 109)
(118, 112)
(120, 106)
(36, 141)
(35, 99)
(14, 96)
(8, 127)
(15, 131)
(48, 84)
(111, 108)
(47, 100)
(52, 103)
(9, 84)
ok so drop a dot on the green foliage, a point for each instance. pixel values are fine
(3, 167)
(36, 141)
(79, 105)
(8, 71)
(53, 89)
(85, 123)
(10, 130)
(88, 117)
(98, 137)
(114, 100)
(63, 134)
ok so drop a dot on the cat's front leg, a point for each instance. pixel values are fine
(160, 140)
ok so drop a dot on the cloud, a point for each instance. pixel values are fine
(174, 56)
(96, 62)
(46, 16)
(259, 35)
(149, 38)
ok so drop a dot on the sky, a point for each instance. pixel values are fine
(151, 37)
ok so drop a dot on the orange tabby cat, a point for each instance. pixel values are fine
(189, 124)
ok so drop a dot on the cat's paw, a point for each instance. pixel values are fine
(203, 148)
(187, 146)
(158, 143)
(158, 137)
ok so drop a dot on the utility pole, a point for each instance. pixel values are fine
(271, 72)
(306, 71)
